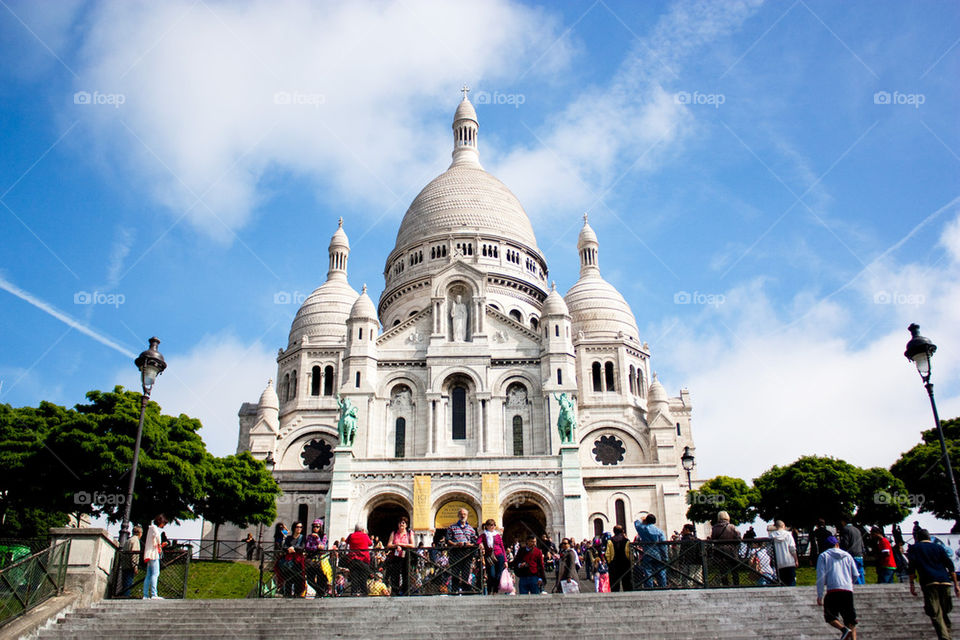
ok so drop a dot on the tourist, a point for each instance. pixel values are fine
(691, 563)
(314, 546)
(528, 566)
(653, 563)
(398, 559)
(933, 566)
(851, 541)
(836, 573)
(251, 546)
(818, 541)
(725, 553)
(280, 533)
(293, 567)
(886, 560)
(462, 536)
(750, 534)
(568, 578)
(618, 560)
(586, 551)
(785, 553)
(916, 531)
(376, 586)
(358, 559)
(152, 550)
(130, 561)
(494, 555)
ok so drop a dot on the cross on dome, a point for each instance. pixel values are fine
(465, 91)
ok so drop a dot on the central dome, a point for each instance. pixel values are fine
(465, 198)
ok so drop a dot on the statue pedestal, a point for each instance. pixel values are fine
(338, 501)
(574, 499)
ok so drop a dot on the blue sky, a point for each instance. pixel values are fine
(791, 170)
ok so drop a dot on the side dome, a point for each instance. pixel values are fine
(325, 312)
(554, 304)
(598, 309)
(363, 308)
(269, 399)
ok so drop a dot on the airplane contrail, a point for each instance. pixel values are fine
(62, 317)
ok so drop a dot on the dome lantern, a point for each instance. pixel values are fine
(339, 252)
(465, 129)
(589, 248)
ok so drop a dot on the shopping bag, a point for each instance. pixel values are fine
(506, 582)
(603, 583)
(327, 569)
(570, 586)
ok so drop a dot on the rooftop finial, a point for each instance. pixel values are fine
(340, 222)
(553, 285)
(465, 91)
(584, 217)
(364, 287)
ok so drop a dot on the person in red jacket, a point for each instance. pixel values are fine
(529, 568)
(359, 560)
(886, 562)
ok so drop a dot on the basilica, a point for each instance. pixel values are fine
(456, 375)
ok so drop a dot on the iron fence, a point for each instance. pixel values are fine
(33, 579)
(129, 573)
(422, 571)
(696, 564)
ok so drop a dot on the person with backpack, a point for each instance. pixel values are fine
(618, 559)
(934, 567)
(725, 552)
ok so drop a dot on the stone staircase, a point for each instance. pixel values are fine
(885, 611)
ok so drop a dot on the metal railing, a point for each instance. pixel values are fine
(33, 579)
(422, 571)
(696, 564)
(129, 573)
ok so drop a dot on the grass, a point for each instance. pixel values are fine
(807, 576)
(218, 580)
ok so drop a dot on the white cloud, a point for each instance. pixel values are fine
(217, 95)
(766, 390)
(209, 383)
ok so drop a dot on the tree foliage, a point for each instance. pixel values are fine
(812, 487)
(56, 461)
(732, 495)
(883, 498)
(922, 471)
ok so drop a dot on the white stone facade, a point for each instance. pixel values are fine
(455, 374)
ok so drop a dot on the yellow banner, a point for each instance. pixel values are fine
(490, 496)
(421, 503)
(450, 513)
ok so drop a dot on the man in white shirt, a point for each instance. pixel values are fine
(785, 551)
(152, 549)
(836, 573)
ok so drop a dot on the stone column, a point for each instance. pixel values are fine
(338, 500)
(91, 559)
(430, 426)
(574, 499)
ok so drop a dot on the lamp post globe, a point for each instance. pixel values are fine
(151, 364)
(688, 462)
(920, 351)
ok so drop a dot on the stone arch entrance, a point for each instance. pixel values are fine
(522, 517)
(382, 519)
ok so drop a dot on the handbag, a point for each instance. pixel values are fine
(603, 583)
(570, 586)
(506, 582)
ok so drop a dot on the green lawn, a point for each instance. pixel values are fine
(808, 575)
(217, 580)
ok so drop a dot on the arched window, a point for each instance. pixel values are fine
(458, 398)
(608, 371)
(559, 376)
(400, 438)
(517, 436)
(357, 383)
(302, 512)
(621, 514)
(360, 333)
(396, 322)
(285, 388)
(597, 375)
(328, 380)
(534, 324)
(641, 391)
(315, 376)
(516, 316)
(678, 428)
(556, 330)
(597, 527)
(293, 386)
(633, 382)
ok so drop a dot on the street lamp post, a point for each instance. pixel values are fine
(920, 350)
(688, 462)
(151, 364)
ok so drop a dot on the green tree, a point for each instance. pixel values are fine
(922, 471)
(239, 489)
(810, 488)
(732, 495)
(883, 498)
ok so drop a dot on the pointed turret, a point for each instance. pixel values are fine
(465, 129)
(268, 409)
(589, 249)
(339, 252)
